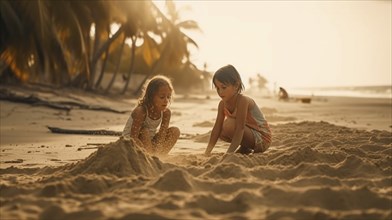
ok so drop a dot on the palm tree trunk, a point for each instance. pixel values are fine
(103, 48)
(93, 66)
(103, 67)
(82, 79)
(105, 59)
(87, 46)
(117, 67)
(132, 65)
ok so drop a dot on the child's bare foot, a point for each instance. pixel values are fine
(244, 150)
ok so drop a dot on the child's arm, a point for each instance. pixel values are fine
(216, 130)
(139, 115)
(242, 111)
(161, 135)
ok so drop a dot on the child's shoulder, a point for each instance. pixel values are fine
(246, 98)
(139, 110)
(167, 111)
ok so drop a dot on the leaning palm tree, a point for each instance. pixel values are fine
(31, 49)
(128, 16)
(51, 41)
(178, 40)
(174, 47)
(140, 21)
(53, 48)
(149, 23)
(73, 22)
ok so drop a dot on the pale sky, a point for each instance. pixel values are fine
(295, 43)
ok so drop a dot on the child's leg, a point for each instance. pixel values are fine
(247, 143)
(227, 130)
(248, 140)
(145, 138)
(172, 135)
(261, 147)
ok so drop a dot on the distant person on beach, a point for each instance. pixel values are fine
(283, 95)
(151, 113)
(239, 120)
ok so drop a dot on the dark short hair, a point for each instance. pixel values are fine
(228, 75)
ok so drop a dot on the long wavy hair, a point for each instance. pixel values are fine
(151, 88)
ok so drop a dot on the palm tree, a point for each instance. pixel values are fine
(73, 21)
(54, 47)
(30, 47)
(174, 47)
(117, 64)
(135, 17)
(128, 78)
(58, 46)
(104, 61)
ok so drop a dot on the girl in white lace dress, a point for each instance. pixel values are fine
(148, 123)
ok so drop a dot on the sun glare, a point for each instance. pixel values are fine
(309, 43)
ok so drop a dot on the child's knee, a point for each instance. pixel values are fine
(175, 132)
(228, 126)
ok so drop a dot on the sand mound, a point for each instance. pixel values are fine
(120, 158)
(174, 180)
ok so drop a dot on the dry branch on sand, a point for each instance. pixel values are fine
(32, 99)
(80, 131)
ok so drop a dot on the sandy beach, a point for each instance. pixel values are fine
(330, 159)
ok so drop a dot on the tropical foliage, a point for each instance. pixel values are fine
(75, 43)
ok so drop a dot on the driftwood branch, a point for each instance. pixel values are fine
(62, 105)
(88, 132)
(31, 99)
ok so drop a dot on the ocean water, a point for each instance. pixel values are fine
(345, 91)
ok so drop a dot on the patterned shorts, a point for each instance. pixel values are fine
(260, 144)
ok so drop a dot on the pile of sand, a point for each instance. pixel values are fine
(313, 170)
(120, 158)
